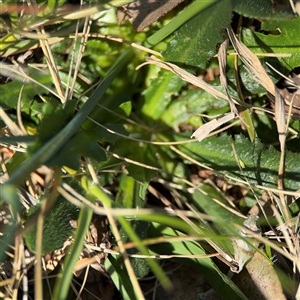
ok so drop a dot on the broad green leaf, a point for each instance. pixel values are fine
(264, 9)
(79, 145)
(189, 104)
(263, 124)
(99, 52)
(143, 190)
(8, 40)
(55, 117)
(102, 134)
(295, 207)
(261, 163)
(251, 8)
(125, 108)
(203, 199)
(14, 163)
(160, 93)
(56, 226)
(283, 38)
(10, 91)
(140, 153)
(250, 86)
(119, 93)
(193, 9)
(196, 41)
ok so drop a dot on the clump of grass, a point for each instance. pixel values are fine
(141, 191)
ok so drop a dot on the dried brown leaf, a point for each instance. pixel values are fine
(251, 63)
(254, 67)
(196, 81)
(184, 75)
(145, 12)
(280, 119)
(204, 130)
(222, 57)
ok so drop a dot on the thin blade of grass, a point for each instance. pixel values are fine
(156, 269)
(179, 20)
(62, 285)
(107, 203)
(51, 65)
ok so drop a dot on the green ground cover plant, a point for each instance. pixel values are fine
(136, 135)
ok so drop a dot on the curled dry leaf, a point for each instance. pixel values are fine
(186, 76)
(222, 58)
(192, 79)
(52, 259)
(97, 240)
(204, 130)
(251, 63)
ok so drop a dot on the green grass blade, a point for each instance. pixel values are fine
(179, 20)
(99, 194)
(120, 277)
(156, 269)
(9, 195)
(249, 123)
(63, 284)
